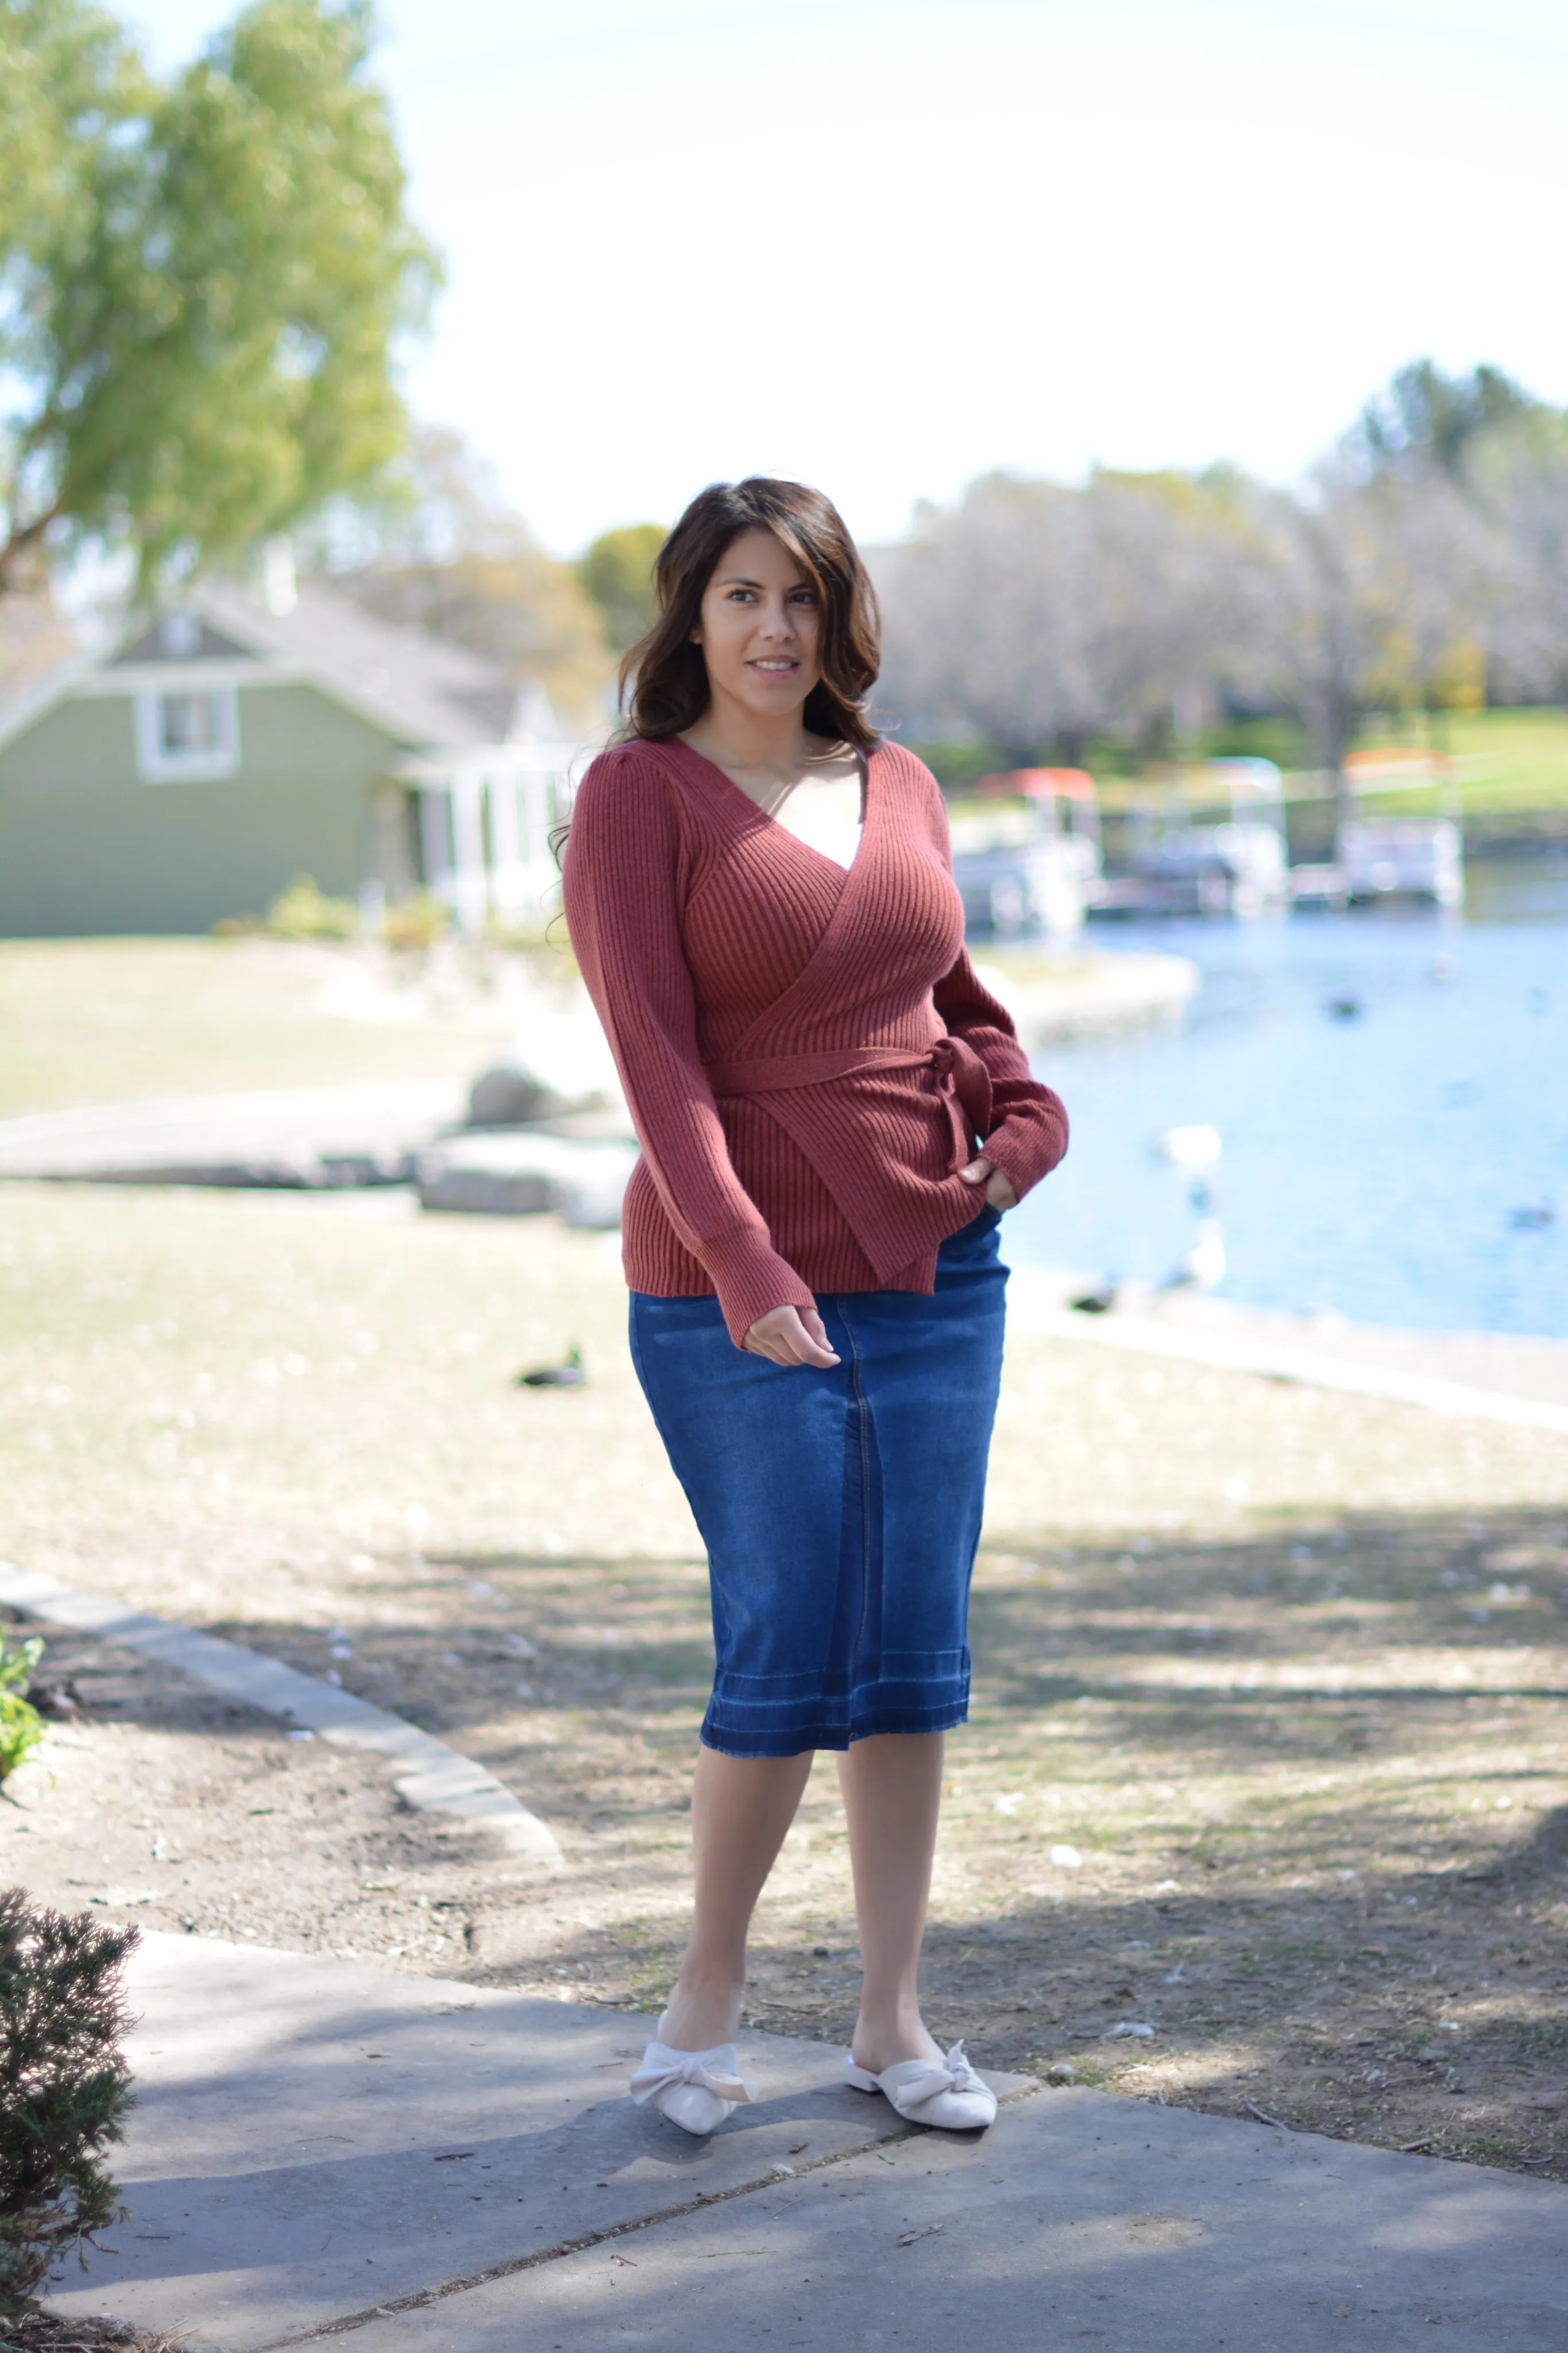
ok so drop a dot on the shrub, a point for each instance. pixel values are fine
(21, 1725)
(64, 2087)
(303, 911)
(416, 922)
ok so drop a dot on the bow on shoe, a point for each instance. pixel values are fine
(662, 2069)
(953, 2073)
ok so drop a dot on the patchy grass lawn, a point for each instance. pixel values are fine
(1287, 1781)
(89, 1021)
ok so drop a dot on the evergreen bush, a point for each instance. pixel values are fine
(65, 2086)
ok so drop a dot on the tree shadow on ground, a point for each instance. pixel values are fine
(1311, 1782)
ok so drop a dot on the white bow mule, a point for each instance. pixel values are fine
(695, 2089)
(945, 2094)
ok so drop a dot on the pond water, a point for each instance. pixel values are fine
(1391, 1089)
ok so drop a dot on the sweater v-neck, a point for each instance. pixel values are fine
(734, 793)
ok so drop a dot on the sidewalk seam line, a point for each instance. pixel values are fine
(419, 2299)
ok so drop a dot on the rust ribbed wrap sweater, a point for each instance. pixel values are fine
(807, 1052)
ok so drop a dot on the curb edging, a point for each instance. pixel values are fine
(431, 1777)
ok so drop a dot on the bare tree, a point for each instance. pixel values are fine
(985, 619)
(1521, 482)
(1367, 590)
(1038, 616)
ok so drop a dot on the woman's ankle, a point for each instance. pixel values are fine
(883, 2038)
(697, 2016)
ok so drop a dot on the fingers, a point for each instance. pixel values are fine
(786, 1337)
(806, 1338)
(817, 1331)
(999, 1190)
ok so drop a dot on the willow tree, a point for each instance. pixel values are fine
(203, 281)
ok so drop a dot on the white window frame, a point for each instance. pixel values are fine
(213, 763)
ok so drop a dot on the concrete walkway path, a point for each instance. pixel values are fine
(331, 2149)
(297, 1129)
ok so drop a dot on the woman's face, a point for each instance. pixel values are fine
(760, 626)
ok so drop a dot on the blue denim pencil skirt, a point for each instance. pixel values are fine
(841, 1509)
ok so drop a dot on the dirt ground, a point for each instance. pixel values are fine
(43, 2332)
(1269, 1747)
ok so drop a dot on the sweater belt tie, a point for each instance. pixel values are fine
(962, 1079)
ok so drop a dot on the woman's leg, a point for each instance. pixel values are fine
(741, 1808)
(892, 1793)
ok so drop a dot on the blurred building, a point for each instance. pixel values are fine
(193, 769)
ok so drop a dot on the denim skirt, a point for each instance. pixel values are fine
(841, 1509)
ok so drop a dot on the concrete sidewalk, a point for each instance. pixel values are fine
(322, 2148)
(281, 1136)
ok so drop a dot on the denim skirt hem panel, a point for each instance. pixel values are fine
(801, 1736)
(841, 1509)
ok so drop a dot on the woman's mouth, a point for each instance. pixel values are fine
(774, 666)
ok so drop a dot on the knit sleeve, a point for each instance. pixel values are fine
(1029, 1134)
(622, 875)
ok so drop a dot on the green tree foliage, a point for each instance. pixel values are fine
(447, 554)
(203, 281)
(617, 573)
(64, 2087)
(1427, 421)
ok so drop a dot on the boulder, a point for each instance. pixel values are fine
(560, 1065)
(521, 1175)
(508, 1096)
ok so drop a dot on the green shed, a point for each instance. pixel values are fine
(189, 772)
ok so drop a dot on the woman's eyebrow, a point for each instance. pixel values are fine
(739, 580)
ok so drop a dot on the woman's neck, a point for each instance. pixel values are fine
(758, 744)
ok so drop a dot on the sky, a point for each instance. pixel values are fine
(886, 245)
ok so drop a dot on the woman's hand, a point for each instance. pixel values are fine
(998, 1189)
(790, 1335)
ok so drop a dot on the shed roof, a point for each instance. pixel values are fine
(426, 694)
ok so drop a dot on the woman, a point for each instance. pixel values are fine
(759, 894)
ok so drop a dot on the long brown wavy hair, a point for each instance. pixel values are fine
(666, 672)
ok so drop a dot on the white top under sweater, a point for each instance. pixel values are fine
(827, 817)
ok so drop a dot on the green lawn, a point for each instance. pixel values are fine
(1519, 758)
(1516, 762)
(85, 1021)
